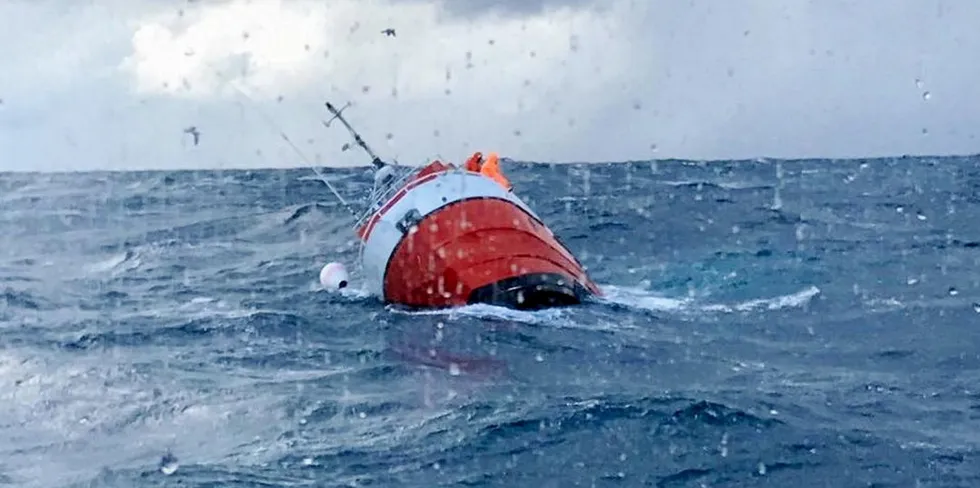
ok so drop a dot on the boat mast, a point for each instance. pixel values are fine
(338, 115)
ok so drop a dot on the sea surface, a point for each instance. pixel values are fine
(765, 323)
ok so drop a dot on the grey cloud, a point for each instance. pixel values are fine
(507, 8)
(800, 78)
(725, 80)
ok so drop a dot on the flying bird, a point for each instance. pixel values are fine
(192, 130)
(389, 32)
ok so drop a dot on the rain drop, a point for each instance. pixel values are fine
(926, 95)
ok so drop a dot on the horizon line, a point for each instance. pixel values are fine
(760, 159)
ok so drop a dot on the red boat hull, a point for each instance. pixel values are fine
(451, 238)
(484, 250)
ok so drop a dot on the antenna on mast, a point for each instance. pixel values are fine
(338, 115)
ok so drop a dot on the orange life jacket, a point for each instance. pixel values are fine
(491, 169)
(474, 162)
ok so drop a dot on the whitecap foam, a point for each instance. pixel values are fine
(484, 311)
(643, 299)
(792, 300)
(99, 412)
(652, 301)
(124, 261)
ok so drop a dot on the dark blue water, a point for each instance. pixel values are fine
(782, 324)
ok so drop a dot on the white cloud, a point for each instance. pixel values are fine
(113, 85)
(468, 81)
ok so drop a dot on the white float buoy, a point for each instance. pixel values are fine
(333, 276)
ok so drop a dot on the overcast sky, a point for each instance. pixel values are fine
(112, 84)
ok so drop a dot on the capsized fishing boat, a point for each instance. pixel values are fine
(441, 236)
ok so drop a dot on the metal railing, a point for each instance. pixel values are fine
(381, 194)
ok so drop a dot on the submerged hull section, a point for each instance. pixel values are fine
(451, 238)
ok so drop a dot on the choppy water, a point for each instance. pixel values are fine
(768, 324)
